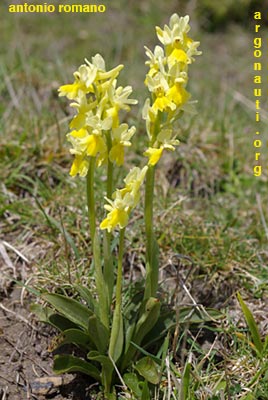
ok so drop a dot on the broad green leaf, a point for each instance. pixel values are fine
(68, 363)
(254, 330)
(60, 322)
(146, 353)
(147, 320)
(133, 383)
(117, 335)
(86, 295)
(47, 315)
(70, 308)
(145, 392)
(78, 337)
(147, 368)
(168, 320)
(145, 323)
(43, 313)
(98, 333)
(107, 368)
(128, 336)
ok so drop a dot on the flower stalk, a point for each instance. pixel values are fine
(151, 272)
(116, 339)
(91, 199)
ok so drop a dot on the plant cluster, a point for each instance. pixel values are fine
(114, 333)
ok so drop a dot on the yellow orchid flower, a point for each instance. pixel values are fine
(178, 95)
(153, 154)
(115, 217)
(120, 139)
(124, 200)
(80, 166)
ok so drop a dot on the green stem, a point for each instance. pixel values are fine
(116, 340)
(91, 199)
(102, 296)
(108, 270)
(150, 286)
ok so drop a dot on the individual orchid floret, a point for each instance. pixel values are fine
(164, 141)
(86, 143)
(99, 63)
(98, 125)
(120, 139)
(158, 85)
(178, 95)
(118, 214)
(80, 166)
(156, 60)
(179, 46)
(84, 79)
(176, 31)
(133, 182)
(154, 155)
(118, 100)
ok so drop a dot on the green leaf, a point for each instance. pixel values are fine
(164, 352)
(194, 315)
(86, 295)
(70, 308)
(107, 368)
(98, 333)
(145, 392)
(185, 384)
(144, 325)
(60, 322)
(77, 337)
(256, 337)
(146, 353)
(147, 320)
(147, 368)
(68, 363)
(43, 313)
(133, 383)
(47, 315)
(117, 336)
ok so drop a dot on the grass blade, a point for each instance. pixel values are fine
(254, 330)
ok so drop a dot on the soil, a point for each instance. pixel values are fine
(25, 363)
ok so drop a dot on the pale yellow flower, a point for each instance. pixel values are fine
(80, 166)
(84, 78)
(153, 154)
(124, 200)
(116, 217)
(178, 95)
(118, 100)
(120, 139)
